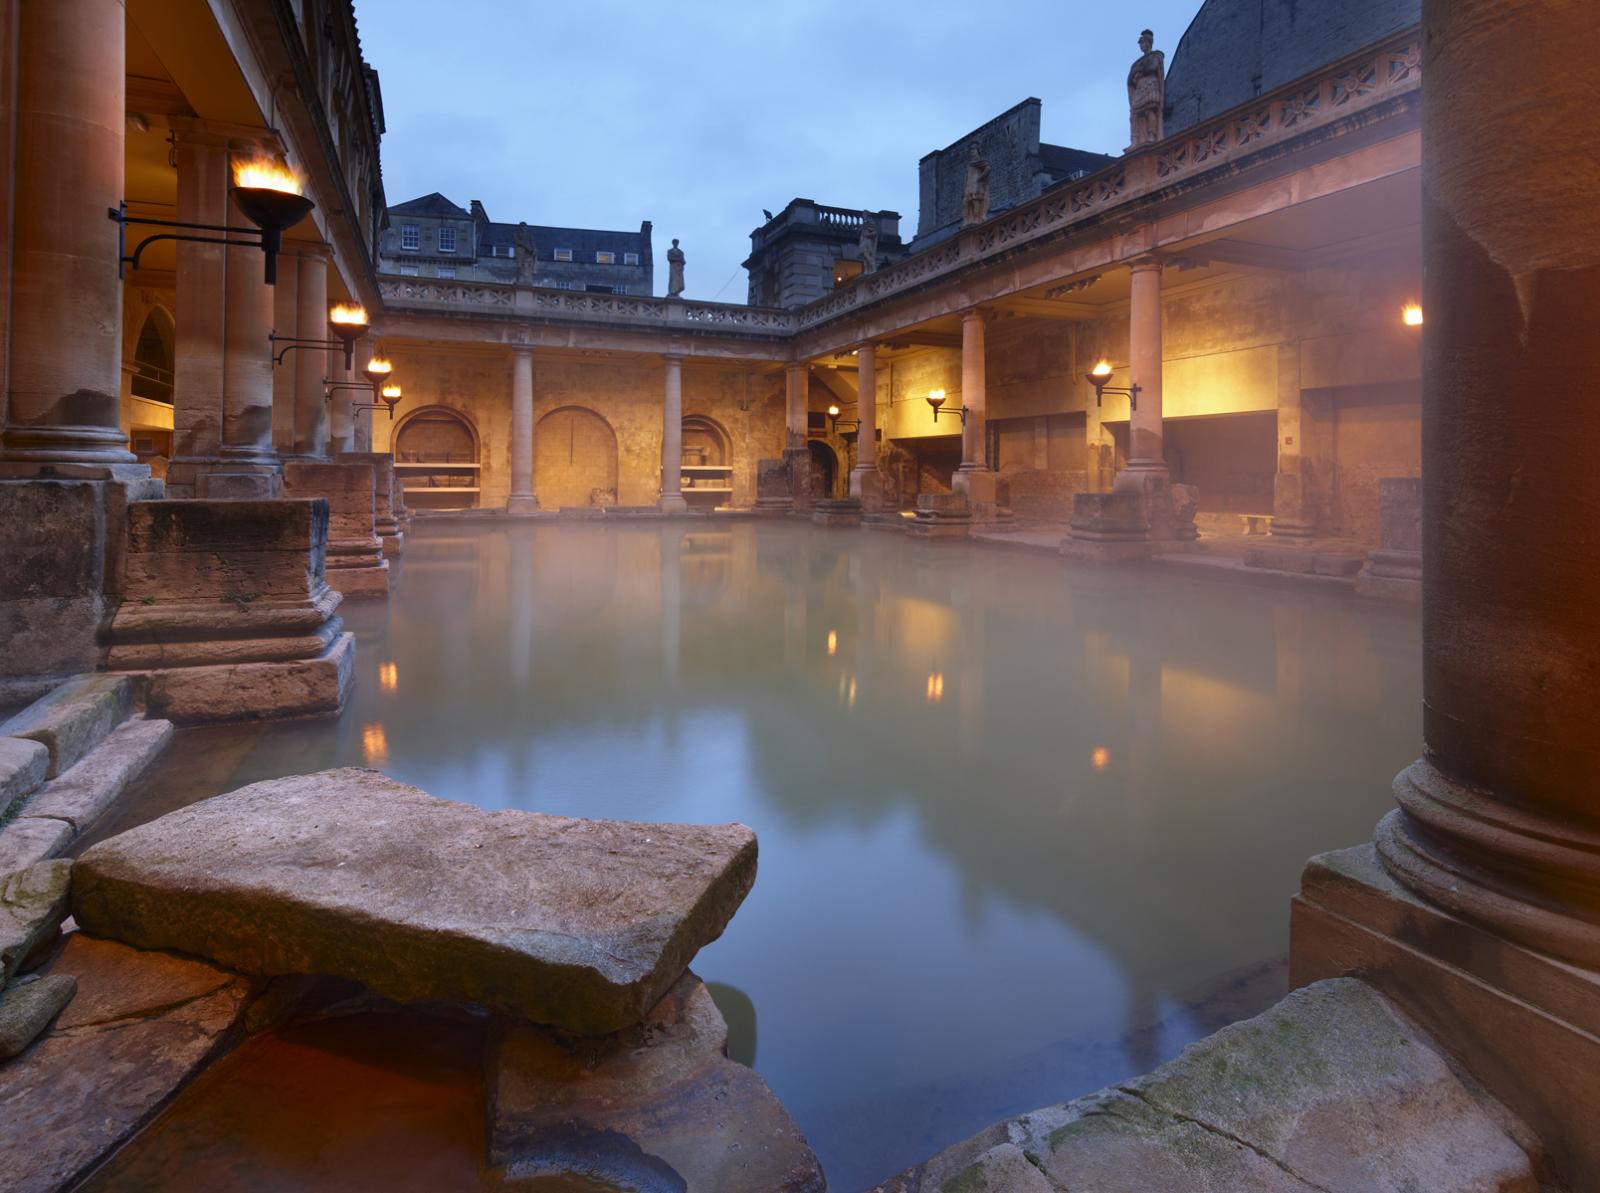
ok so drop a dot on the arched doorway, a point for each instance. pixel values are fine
(149, 415)
(824, 469)
(436, 459)
(574, 460)
(707, 462)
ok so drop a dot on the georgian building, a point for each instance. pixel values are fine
(431, 237)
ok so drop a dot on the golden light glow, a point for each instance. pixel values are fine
(1102, 368)
(833, 642)
(391, 391)
(379, 366)
(388, 676)
(833, 410)
(374, 744)
(936, 397)
(263, 173)
(935, 687)
(1411, 314)
(1100, 758)
(348, 312)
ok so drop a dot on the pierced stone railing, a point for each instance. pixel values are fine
(1374, 76)
(538, 302)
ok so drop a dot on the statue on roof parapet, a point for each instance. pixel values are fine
(675, 261)
(867, 246)
(1146, 93)
(975, 194)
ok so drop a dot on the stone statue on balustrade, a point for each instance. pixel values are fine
(675, 271)
(1146, 92)
(975, 195)
(867, 246)
(527, 257)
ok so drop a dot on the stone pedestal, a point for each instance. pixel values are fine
(226, 612)
(355, 563)
(1394, 571)
(773, 493)
(866, 486)
(941, 517)
(837, 511)
(61, 550)
(1144, 513)
(385, 522)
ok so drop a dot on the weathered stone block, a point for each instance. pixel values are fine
(228, 613)
(583, 924)
(33, 902)
(386, 523)
(658, 1105)
(26, 842)
(837, 512)
(27, 1006)
(355, 562)
(23, 766)
(88, 788)
(1115, 515)
(140, 1027)
(73, 718)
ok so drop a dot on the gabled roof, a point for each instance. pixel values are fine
(434, 205)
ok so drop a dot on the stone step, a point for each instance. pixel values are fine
(1330, 1091)
(23, 766)
(83, 792)
(582, 924)
(657, 1106)
(33, 902)
(74, 718)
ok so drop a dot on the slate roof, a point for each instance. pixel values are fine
(585, 242)
(431, 205)
(1235, 50)
(1061, 162)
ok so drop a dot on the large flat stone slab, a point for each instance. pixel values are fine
(656, 1106)
(27, 841)
(1330, 1091)
(85, 790)
(582, 924)
(140, 1026)
(73, 718)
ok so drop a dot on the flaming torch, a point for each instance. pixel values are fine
(271, 197)
(349, 323)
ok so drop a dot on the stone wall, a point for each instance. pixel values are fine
(1009, 143)
(626, 392)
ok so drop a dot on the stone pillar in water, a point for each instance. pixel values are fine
(65, 345)
(311, 365)
(973, 477)
(672, 438)
(1145, 452)
(865, 482)
(522, 499)
(1483, 919)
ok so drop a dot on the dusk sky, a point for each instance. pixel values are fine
(697, 115)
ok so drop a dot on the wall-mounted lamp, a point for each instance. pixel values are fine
(349, 322)
(852, 425)
(377, 370)
(268, 193)
(1411, 314)
(1100, 375)
(389, 397)
(936, 400)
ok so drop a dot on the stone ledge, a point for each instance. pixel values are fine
(71, 720)
(254, 691)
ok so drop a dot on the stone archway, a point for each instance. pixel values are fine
(436, 459)
(574, 460)
(824, 470)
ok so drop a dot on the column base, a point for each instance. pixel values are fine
(1392, 576)
(866, 486)
(672, 503)
(941, 517)
(837, 511)
(1143, 507)
(357, 568)
(223, 480)
(519, 503)
(978, 484)
(1524, 1024)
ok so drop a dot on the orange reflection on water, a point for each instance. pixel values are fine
(833, 642)
(388, 676)
(1100, 758)
(374, 744)
(935, 687)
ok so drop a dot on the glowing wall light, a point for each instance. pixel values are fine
(1411, 314)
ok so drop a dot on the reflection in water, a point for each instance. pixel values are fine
(955, 919)
(388, 677)
(740, 1015)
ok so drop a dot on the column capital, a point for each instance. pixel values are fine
(518, 351)
(220, 134)
(1146, 261)
(672, 358)
(976, 312)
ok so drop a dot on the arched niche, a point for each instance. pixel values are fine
(574, 460)
(153, 357)
(436, 459)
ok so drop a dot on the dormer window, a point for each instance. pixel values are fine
(630, 258)
(562, 254)
(605, 258)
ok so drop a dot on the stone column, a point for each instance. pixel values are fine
(311, 365)
(522, 499)
(865, 483)
(973, 476)
(198, 375)
(1293, 512)
(66, 316)
(1144, 366)
(1491, 865)
(672, 438)
(249, 467)
(341, 418)
(797, 383)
